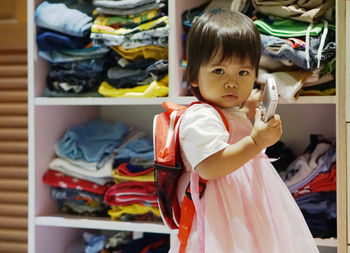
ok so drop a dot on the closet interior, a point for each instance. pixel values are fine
(50, 117)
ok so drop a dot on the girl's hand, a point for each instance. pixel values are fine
(266, 134)
(252, 103)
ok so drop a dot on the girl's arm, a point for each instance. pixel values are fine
(234, 156)
(252, 103)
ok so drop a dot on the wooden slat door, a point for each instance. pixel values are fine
(13, 126)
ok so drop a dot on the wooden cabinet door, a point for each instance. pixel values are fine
(13, 126)
(13, 25)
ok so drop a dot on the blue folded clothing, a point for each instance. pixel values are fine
(58, 17)
(49, 41)
(91, 141)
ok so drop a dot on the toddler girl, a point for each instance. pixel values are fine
(246, 207)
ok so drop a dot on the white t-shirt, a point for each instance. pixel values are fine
(202, 133)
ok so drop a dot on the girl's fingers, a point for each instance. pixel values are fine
(257, 114)
(277, 117)
(275, 121)
(256, 93)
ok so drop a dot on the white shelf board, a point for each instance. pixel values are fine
(310, 100)
(42, 101)
(331, 242)
(300, 100)
(73, 221)
(98, 101)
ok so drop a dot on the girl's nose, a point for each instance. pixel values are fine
(231, 85)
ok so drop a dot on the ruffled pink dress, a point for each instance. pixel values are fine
(247, 211)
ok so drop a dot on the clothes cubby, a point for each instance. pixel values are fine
(49, 117)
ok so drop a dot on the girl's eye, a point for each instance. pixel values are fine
(219, 71)
(243, 73)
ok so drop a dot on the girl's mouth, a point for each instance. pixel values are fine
(230, 96)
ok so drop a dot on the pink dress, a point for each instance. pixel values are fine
(247, 211)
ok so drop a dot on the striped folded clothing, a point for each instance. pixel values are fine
(128, 193)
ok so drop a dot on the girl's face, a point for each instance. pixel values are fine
(226, 84)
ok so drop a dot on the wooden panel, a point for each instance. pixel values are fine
(13, 197)
(347, 63)
(13, 209)
(13, 108)
(13, 134)
(15, 57)
(13, 172)
(7, 9)
(341, 142)
(13, 159)
(13, 25)
(13, 126)
(13, 147)
(13, 83)
(13, 70)
(15, 11)
(13, 121)
(13, 96)
(13, 222)
(13, 184)
(12, 235)
(13, 247)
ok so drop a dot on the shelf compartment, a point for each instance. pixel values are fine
(159, 100)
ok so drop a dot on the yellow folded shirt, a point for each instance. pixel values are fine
(150, 51)
(109, 91)
(117, 211)
(98, 28)
(149, 177)
(326, 92)
(134, 18)
(155, 89)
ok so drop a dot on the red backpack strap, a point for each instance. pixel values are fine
(187, 213)
(187, 207)
(170, 106)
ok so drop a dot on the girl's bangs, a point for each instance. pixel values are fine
(238, 47)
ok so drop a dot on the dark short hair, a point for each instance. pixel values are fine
(231, 33)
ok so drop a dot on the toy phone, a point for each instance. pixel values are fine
(269, 100)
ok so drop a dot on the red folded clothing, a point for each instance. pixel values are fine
(131, 192)
(321, 183)
(58, 179)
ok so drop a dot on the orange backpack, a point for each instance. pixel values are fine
(168, 168)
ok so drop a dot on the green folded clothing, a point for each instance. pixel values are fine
(289, 28)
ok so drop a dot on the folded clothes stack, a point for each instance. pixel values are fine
(298, 42)
(104, 47)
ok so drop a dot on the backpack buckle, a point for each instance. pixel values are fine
(202, 186)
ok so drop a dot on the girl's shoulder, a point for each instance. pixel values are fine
(201, 110)
(202, 116)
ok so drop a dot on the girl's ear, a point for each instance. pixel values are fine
(195, 83)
